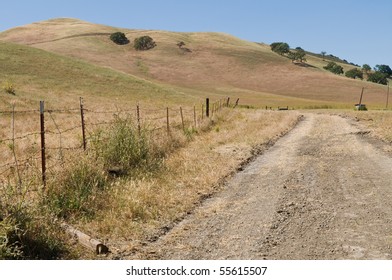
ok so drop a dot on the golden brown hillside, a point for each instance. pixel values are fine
(216, 64)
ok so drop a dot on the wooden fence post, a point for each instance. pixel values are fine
(43, 156)
(228, 102)
(236, 103)
(83, 124)
(167, 121)
(182, 120)
(207, 107)
(202, 112)
(138, 118)
(194, 116)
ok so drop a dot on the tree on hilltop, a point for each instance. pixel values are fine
(298, 55)
(144, 43)
(280, 48)
(323, 53)
(366, 68)
(385, 69)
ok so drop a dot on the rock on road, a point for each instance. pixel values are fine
(321, 192)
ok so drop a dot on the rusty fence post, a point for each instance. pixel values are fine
(43, 156)
(138, 119)
(182, 119)
(83, 124)
(207, 107)
(167, 121)
(194, 116)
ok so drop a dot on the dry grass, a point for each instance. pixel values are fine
(129, 209)
(139, 208)
(69, 59)
(379, 123)
(218, 64)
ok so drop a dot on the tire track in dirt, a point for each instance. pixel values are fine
(321, 192)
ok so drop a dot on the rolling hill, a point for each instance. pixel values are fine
(80, 58)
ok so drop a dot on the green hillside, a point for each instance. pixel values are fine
(40, 75)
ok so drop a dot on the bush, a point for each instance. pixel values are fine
(9, 88)
(27, 232)
(76, 191)
(119, 38)
(280, 48)
(10, 247)
(354, 73)
(334, 68)
(144, 43)
(123, 149)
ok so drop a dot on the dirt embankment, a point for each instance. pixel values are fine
(321, 192)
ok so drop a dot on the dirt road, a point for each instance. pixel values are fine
(321, 192)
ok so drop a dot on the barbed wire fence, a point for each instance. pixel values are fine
(40, 142)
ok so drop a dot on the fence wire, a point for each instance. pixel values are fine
(20, 133)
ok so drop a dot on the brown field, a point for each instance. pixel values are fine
(219, 65)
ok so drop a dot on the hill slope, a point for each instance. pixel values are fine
(217, 64)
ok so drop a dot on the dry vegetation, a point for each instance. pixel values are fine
(218, 64)
(60, 60)
(144, 207)
(379, 123)
(154, 193)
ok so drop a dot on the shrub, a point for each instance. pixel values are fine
(354, 73)
(27, 232)
(9, 88)
(334, 68)
(280, 48)
(77, 190)
(123, 148)
(119, 38)
(144, 43)
(10, 247)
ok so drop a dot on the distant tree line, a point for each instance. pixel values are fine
(380, 73)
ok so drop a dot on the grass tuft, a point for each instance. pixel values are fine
(77, 191)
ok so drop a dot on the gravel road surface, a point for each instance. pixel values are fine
(323, 191)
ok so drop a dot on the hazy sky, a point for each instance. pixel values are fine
(356, 30)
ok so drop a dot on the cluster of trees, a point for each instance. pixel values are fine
(141, 43)
(379, 75)
(284, 49)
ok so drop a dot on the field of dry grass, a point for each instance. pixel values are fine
(60, 60)
(379, 123)
(217, 64)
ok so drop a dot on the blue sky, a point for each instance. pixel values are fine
(356, 30)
